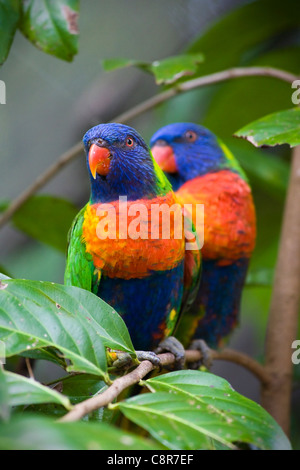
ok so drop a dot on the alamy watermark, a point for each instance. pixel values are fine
(2, 92)
(296, 94)
(296, 354)
(151, 221)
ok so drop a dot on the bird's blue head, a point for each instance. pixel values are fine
(186, 150)
(119, 163)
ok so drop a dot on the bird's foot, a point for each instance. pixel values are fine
(172, 345)
(207, 359)
(148, 356)
(121, 360)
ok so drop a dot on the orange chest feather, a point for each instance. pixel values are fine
(229, 214)
(128, 240)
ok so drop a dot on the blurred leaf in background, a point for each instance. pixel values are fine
(46, 219)
(166, 71)
(9, 17)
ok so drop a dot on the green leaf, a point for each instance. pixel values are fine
(190, 408)
(275, 129)
(47, 219)
(78, 388)
(81, 387)
(166, 71)
(171, 69)
(24, 391)
(35, 315)
(47, 354)
(41, 433)
(9, 17)
(52, 26)
(119, 63)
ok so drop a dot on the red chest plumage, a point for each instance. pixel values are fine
(229, 214)
(126, 257)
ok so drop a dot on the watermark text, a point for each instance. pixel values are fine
(296, 94)
(151, 221)
(2, 92)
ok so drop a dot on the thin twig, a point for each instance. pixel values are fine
(29, 368)
(217, 77)
(283, 317)
(152, 102)
(121, 383)
(245, 361)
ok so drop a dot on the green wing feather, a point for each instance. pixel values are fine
(80, 270)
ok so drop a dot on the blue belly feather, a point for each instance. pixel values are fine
(145, 304)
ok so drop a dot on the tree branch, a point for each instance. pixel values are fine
(283, 317)
(121, 383)
(152, 102)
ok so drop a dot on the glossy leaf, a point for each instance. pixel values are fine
(275, 129)
(41, 433)
(52, 26)
(9, 17)
(35, 315)
(166, 71)
(24, 391)
(189, 408)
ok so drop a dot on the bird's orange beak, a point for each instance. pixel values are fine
(99, 160)
(164, 157)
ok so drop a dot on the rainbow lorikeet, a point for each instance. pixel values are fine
(148, 279)
(202, 170)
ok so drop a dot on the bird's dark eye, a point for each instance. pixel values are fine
(129, 142)
(190, 136)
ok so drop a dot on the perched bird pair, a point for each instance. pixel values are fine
(117, 248)
(202, 170)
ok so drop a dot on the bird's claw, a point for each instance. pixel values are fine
(123, 360)
(148, 356)
(172, 345)
(207, 359)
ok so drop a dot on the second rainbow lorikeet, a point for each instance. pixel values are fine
(149, 280)
(202, 170)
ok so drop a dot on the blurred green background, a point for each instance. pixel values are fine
(51, 103)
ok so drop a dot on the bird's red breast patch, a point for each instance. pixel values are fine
(133, 241)
(229, 214)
